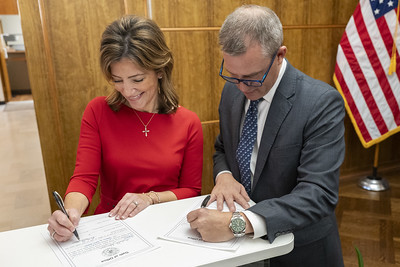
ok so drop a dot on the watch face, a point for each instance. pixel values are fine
(238, 225)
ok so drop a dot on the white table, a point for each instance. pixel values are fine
(27, 247)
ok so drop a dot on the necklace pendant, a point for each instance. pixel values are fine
(145, 131)
(145, 125)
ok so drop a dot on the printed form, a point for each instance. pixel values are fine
(181, 231)
(104, 241)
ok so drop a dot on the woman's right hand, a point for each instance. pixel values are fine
(60, 227)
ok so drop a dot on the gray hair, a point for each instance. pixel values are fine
(250, 23)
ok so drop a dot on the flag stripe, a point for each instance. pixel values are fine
(379, 32)
(391, 24)
(351, 103)
(387, 35)
(355, 93)
(368, 74)
(378, 69)
(362, 84)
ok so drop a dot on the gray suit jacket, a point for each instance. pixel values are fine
(296, 178)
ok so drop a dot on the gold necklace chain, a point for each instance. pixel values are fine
(145, 125)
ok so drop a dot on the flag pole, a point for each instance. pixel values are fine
(374, 182)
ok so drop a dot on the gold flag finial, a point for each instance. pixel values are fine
(392, 66)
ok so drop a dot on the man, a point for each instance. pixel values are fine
(292, 168)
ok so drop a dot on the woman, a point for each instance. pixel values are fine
(144, 146)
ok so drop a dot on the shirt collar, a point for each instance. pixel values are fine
(270, 95)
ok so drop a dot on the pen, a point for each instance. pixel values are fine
(205, 201)
(60, 204)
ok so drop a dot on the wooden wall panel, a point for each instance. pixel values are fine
(291, 13)
(318, 49)
(324, 9)
(293, 40)
(75, 51)
(210, 132)
(196, 68)
(8, 7)
(318, 52)
(137, 7)
(343, 11)
(171, 14)
(62, 53)
(46, 105)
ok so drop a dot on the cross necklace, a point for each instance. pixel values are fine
(145, 125)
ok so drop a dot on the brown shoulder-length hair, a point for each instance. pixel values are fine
(140, 40)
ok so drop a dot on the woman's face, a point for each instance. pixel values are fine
(139, 86)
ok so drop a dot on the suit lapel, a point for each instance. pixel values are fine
(280, 107)
(237, 113)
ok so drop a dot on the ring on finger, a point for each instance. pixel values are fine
(135, 202)
(52, 235)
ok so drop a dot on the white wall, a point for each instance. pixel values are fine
(11, 24)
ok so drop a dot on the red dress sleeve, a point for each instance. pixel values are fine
(88, 158)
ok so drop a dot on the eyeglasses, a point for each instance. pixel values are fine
(253, 83)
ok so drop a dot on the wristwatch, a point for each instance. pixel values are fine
(238, 224)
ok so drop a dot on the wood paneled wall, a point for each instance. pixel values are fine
(62, 43)
(8, 7)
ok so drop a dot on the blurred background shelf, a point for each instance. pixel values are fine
(14, 79)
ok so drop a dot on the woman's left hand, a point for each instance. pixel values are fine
(130, 205)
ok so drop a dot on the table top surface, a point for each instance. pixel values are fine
(27, 246)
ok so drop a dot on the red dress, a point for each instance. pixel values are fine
(112, 146)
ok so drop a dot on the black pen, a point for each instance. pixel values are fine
(205, 201)
(60, 204)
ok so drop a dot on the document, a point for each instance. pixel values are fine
(181, 231)
(104, 241)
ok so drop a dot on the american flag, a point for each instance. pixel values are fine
(371, 95)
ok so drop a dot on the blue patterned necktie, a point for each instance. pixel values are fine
(246, 144)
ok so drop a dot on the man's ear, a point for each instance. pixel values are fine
(281, 53)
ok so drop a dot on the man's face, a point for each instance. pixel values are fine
(252, 65)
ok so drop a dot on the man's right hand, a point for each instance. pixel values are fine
(60, 227)
(229, 190)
